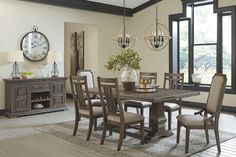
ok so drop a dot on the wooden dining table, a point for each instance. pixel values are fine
(157, 98)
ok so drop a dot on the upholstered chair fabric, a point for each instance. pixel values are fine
(208, 117)
(214, 94)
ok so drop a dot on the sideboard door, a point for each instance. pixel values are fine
(22, 101)
(58, 94)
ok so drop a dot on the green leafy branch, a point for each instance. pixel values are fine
(126, 58)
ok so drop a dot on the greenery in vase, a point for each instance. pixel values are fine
(126, 58)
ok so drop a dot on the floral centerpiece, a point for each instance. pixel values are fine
(126, 61)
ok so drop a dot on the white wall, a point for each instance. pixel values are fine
(18, 18)
(159, 61)
(225, 3)
(90, 47)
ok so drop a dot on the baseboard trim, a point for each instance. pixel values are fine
(198, 105)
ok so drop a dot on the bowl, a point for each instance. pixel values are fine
(25, 76)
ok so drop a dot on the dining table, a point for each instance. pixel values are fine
(157, 98)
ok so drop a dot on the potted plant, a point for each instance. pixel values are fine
(126, 61)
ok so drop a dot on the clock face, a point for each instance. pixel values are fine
(35, 46)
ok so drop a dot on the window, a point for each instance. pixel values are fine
(202, 43)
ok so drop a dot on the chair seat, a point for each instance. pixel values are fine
(192, 120)
(96, 111)
(128, 117)
(171, 106)
(137, 103)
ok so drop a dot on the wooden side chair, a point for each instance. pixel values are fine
(94, 98)
(113, 113)
(175, 81)
(151, 78)
(83, 103)
(208, 117)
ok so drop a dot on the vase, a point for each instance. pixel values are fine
(128, 78)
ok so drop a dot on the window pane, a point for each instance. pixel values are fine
(183, 45)
(227, 45)
(205, 25)
(205, 62)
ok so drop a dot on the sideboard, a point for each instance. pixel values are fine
(32, 96)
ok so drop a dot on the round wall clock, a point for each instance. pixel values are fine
(35, 45)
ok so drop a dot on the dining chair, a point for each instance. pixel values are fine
(90, 80)
(151, 78)
(208, 117)
(83, 104)
(174, 81)
(113, 112)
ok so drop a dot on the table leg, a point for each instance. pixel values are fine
(158, 121)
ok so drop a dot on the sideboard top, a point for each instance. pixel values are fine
(35, 79)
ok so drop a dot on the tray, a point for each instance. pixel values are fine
(146, 90)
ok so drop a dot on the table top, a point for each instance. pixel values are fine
(154, 97)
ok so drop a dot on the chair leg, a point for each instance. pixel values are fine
(121, 137)
(137, 110)
(217, 138)
(187, 140)
(76, 126)
(142, 131)
(125, 108)
(206, 133)
(178, 132)
(150, 114)
(95, 124)
(180, 111)
(90, 128)
(104, 132)
(110, 130)
(125, 133)
(141, 111)
(169, 120)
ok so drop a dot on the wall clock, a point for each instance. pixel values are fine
(35, 45)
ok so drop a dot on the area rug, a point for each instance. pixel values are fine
(164, 147)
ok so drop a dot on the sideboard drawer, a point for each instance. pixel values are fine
(42, 86)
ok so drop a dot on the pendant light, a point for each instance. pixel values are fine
(124, 40)
(157, 36)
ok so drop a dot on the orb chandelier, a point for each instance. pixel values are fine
(124, 40)
(157, 36)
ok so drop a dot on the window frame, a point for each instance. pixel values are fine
(221, 12)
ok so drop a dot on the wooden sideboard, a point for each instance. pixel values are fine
(32, 96)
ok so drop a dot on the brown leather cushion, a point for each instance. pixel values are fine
(138, 103)
(191, 120)
(96, 111)
(129, 117)
(171, 106)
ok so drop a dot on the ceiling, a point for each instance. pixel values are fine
(128, 3)
(104, 6)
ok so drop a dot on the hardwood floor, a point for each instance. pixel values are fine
(18, 138)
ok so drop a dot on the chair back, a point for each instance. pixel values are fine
(89, 74)
(151, 77)
(109, 90)
(80, 92)
(216, 93)
(175, 80)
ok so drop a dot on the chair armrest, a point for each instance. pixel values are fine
(200, 112)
